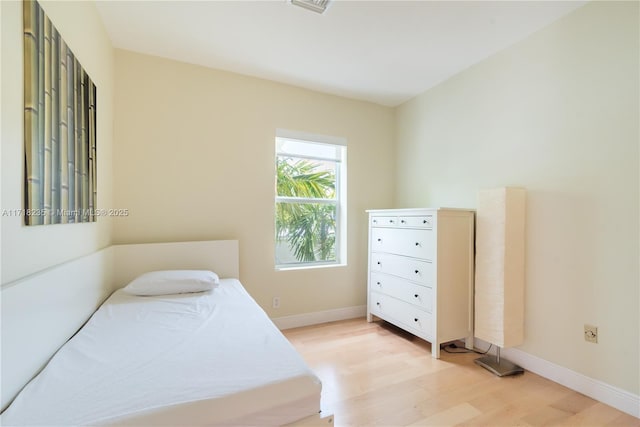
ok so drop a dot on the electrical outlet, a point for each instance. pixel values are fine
(276, 302)
(591, 333)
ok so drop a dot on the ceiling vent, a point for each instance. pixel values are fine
(316, 5)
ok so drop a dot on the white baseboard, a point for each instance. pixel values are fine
(613, 396)
(317, 317)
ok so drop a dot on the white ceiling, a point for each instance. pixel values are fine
(380, 51)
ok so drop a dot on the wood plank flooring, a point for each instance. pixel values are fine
(376, 374)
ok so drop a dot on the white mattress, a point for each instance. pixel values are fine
(191, 359)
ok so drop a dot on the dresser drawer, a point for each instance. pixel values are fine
(422, 221)
(407, 268)
(401, 313)
(409, 242)
(384, 221)
(413, 293)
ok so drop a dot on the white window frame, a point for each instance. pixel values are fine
(341, 194)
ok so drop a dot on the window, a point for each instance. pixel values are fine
(310, 202)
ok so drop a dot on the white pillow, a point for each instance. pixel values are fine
(166, 282)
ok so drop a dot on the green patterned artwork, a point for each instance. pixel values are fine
(59, 127)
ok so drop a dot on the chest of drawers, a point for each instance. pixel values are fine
(421, 272)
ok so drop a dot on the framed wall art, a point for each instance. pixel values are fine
(59, 127)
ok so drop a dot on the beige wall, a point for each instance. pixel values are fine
(194, 160)
(26, 250)
(558, 114)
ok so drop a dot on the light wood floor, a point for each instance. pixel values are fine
(376, 374)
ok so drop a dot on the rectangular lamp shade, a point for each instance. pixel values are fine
(499, 285)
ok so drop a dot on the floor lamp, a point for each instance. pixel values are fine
(499, 284)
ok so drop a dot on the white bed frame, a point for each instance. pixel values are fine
(42, 311)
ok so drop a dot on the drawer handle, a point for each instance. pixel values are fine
(424, 221)
(415, 319)
(390, 221)
(416, 296)
(417, 243)
(379, 263)
(417, 271)
(378, 283)
(379, 240)
(378, 304)
(402, 221)
(375, 221)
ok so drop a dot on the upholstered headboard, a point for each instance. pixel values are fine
(42, 311)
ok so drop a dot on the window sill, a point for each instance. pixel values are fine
(308, 267)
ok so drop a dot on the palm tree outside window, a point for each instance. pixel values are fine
(309, 203)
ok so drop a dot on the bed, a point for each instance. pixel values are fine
(206, 358)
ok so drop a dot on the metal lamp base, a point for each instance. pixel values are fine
(499, 366)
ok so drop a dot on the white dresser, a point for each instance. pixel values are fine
(421, 272)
